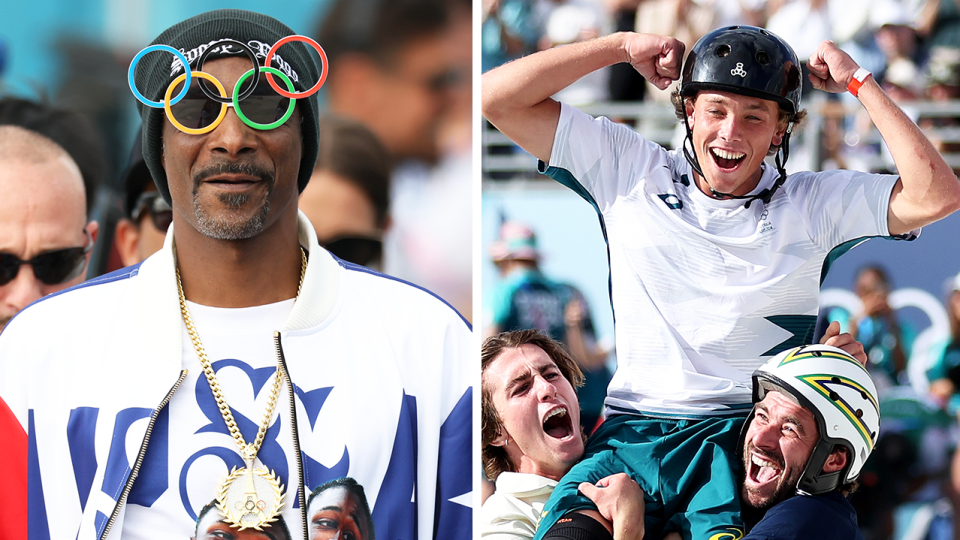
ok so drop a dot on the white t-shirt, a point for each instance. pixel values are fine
(513, 511)
(200, 450)
(705, 290)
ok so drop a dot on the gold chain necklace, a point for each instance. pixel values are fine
(258, 501)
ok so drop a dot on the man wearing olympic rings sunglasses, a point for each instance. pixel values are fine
(45, 239)
(242, 362)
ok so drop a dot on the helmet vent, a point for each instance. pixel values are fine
(763, 58)
(859, 413)
(764, 32)
(723, 50)
(834, 396)
(835, 380)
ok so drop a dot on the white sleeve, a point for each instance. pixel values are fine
(843, 205)
(502, 519)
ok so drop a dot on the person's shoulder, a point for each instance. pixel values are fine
(804, 515)
(397, 296)
(78, 298)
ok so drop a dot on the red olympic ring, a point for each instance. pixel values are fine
(323, 67)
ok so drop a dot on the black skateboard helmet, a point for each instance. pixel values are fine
(744, 60)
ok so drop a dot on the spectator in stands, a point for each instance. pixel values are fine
(944, 375)
(510, 29)
(942, 74)
(887, 340)
(625, 83)
(349, 193)
(143, 227)
(45, 235)
(526, 298)
(573, 21)
(903, 78)
(939, 23)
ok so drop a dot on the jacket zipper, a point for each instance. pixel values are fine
(143, 451)
(301, 490)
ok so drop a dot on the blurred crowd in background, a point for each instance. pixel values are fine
(911, 46)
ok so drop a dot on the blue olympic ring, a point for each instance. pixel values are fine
(133, 87)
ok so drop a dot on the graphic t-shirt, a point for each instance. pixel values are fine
(199, 451)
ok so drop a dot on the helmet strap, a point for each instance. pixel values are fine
(690, 153)
(813, 480)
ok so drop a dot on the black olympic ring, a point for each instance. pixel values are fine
(255, 77)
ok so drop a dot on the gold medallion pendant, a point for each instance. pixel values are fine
(250, 497)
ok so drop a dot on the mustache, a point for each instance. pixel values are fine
(247, 169)
(769, 456)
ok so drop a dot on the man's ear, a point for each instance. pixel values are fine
(837, 460)
(688, 107)
(777, 139)
(127, 239)
(781, 131)
(502, 440)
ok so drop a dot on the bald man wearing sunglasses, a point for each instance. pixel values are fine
(45, 238)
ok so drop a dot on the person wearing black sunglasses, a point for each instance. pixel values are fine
(147, 216)
(45, 239)
(229, 363)
(349, 193)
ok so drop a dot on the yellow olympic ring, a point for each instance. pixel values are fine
(213, 125)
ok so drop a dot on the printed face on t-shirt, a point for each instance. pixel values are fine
(336, 514)
(212, 527)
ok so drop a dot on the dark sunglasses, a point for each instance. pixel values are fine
(160, 212)
(52, 267)
(362, 250)
(197, 111)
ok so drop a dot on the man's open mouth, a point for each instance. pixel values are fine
(763, 471)
(557, 423)
(726, 159)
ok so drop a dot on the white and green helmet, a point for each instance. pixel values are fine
(839, 392)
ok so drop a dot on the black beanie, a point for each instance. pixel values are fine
(156, 70)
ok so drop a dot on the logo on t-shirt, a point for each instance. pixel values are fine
(671, 200)
(764, 224)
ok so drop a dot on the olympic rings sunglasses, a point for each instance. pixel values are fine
(196, 109)
(52, 267)
(153, 203)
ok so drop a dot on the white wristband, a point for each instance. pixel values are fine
(857, 81)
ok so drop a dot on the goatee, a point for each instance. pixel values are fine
(228, 227)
